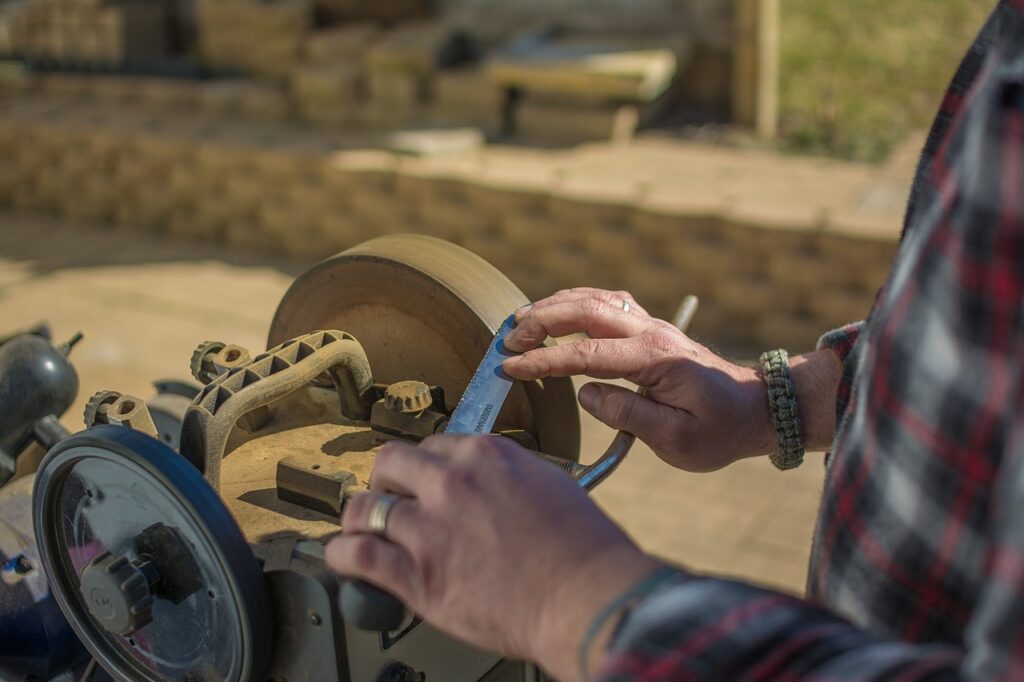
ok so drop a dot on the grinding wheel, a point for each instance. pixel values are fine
(427, 309)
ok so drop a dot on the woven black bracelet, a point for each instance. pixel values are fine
(783, 407)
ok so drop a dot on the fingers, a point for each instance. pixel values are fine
(405, 522)
(603, 295)
(405, 469)
(594, 317)
(447, 446)
(375, 560)
(597, 358)
(625, 410)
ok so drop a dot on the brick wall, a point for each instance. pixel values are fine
(287, 190)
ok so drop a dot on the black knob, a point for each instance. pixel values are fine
(370, 608)
(398, 672)
(36, 381)
(116, 591)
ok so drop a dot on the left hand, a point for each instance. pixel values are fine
(490, 544)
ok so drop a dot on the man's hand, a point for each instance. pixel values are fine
(700, 412)
(491, 545)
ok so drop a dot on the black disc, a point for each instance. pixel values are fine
(112, 489)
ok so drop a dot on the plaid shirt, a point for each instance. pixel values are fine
(917, 570)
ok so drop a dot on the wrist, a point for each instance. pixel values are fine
(758, 434)
(816, 381)
(566, 617)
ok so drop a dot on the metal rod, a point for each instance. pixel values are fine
(684, 315)
(89, 672)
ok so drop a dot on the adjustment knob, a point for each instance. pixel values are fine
(116, 592)
(96, 407)
(408, 397)
(201, 363)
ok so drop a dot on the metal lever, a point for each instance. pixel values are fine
(370, 608)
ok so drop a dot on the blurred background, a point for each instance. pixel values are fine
(170, 165)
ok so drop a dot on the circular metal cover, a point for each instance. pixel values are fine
(425, 309)
(112, 489)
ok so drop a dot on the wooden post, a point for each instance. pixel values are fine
(755, 90)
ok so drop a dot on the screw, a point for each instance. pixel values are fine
(19, 565)
(16, 569)
(315, 618)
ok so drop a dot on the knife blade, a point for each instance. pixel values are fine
(370, 608)
(479, 406)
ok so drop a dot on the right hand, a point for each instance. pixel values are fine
(700, 412)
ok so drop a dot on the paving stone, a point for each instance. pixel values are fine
(588, 71)
(569, 124)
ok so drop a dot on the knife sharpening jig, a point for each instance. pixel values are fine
(183, 539)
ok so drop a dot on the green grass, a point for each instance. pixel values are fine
(859, 75)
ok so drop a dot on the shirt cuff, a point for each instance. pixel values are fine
(841, 341)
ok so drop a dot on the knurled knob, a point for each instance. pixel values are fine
(408, 397)
(202, 369)
(116, 592)
(96, 407)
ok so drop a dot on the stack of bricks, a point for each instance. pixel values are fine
(262, 38)
(329, 87)
(400, 69)
(573, 90)
(466, 96)
(87, 31)
(8, 41)
(388, 12)
(361, 74)
(291, 190)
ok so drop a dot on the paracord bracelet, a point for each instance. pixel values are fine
(783, 407)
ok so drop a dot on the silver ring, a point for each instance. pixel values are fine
(625, 305)
(378, 519)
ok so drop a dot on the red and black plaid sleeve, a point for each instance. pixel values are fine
(917, 570)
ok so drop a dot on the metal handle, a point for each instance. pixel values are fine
(267, 378)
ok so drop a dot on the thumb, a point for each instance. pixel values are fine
(622, 409)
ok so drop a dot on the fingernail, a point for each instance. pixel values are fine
(521, 313)
(590, 398)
